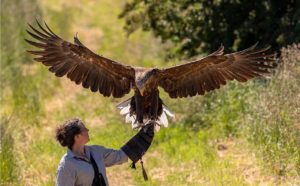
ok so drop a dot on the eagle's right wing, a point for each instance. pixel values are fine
(80, 64)
(215, 70)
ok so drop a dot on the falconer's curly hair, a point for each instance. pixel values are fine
(66, 132)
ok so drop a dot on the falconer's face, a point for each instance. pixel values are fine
(83, 137)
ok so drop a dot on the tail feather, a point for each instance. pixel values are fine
(129, 118)
(163, 120)
(124, 103)
(168, 112)
(125, 108)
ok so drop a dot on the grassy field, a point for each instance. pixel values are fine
(240, 135)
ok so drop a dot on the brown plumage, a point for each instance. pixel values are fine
(111, 78)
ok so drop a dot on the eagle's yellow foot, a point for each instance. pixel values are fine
(138, 125)
(157, 126)
(155, 123)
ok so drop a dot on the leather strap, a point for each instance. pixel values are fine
(98, 178)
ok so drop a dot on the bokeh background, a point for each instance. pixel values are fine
(242, 134)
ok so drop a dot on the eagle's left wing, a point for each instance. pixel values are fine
(217, 69)
(80, 64)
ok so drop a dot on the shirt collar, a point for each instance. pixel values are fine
(72, 155)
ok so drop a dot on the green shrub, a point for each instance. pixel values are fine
(273, 125)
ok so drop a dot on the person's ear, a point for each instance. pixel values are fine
(76, 136)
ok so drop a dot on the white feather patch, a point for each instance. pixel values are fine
(133, 118)
(128, 118)
(168, 112)
(124, 104)
(125, 110)
(163, 119)
(134, 125)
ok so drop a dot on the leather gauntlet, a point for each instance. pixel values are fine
(137, 146)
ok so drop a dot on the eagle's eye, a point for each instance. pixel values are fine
(155, 71)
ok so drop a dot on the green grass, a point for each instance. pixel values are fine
(34, 102)
(7, 157)
(274, 125)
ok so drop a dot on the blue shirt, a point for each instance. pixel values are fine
(76, 170)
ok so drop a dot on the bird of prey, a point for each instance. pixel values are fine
(111, 78)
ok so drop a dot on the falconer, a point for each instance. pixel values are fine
(85, 165)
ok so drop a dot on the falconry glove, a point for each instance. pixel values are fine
(137, 146)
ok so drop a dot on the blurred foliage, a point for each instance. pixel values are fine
(21, 96)
(221, 109)
(7, 157)
(24, 87)
(195, 27)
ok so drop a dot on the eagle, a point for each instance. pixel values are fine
(111, 78)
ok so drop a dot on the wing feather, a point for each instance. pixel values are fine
(215, 70)
(79, 64)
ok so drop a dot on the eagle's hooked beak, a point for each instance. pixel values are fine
(141, 89)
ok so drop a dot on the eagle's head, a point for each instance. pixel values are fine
(146, 79)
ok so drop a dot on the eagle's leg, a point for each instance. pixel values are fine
(154, 105)
(139, 105)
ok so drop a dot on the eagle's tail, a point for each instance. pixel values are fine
(131, 118)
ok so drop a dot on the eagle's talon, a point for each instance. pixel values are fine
(138, 125)
(151, 121)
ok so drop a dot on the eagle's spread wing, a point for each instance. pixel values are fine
(217, 69)
(80, 64)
